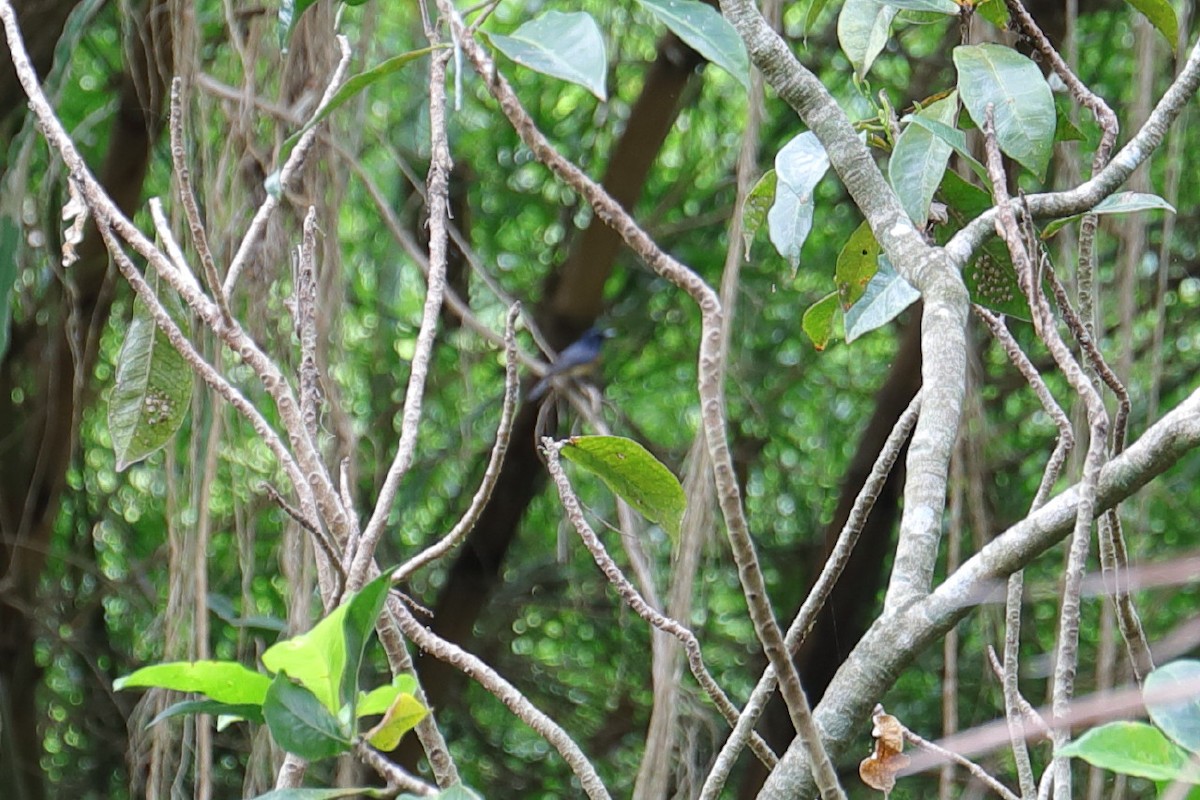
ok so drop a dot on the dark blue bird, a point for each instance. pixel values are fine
(576, 359)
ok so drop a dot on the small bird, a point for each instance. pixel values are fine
(576, 359)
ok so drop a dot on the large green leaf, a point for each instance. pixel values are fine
(706, 32)
(1179, 719)
(863, 28)
(1162, 16)
(224, 681)
(885, 297)
(1119, 203)
(301, 723)
(362, 610)
(634, 475)
(153, 385)
(566, 46)
(1024, 107)
(919, 160)
(1133, 748)
(317, 658)
(953, 137)
(799, 166)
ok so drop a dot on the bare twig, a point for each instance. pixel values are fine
(295, 161)
(634, 600)
(491, 473)
(506, 693)
(979, 772)
(391, 772)
(439, 212)
(807, 616)
(191, 208)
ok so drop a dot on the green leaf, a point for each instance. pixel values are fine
(290, 12)
(704, 30)
(401, 717)
(153, 385)
(754, 209)
(317, 659)
(1132, 748)
(1179, 719)
(799, 166)
(856, 265)
(351, 87)
(1161, 16)
(810, 20)
(10, 242)
(245, 711)
(379, 699)
(819, 319)
(564, 46)
(963, 197)
(361, 613)
(324, 794)
(1064, 129)
(455, 792)
(863, 28)
(953, 137)
(224, 681)
(300, 722)
(995, 12)
(1119, 203)
(992, 282)
(919, 160)
(885, 297)
(634, 475)
(1024, 106)
(936, 6)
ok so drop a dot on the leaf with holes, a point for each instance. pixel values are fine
(856, 265)
(634, 475)
(153, 385)
(565, 46)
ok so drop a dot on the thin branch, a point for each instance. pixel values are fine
(391, 772)
(798, 631)
(491, 473)
(439, 212)
(506, 693)
(634, 600)
(305, 310)
(191, 208)
(979, 772)
(711, 387)
(295, 161)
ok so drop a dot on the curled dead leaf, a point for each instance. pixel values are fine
(879, 769)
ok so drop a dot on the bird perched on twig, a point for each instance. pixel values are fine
(575, 360)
